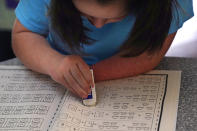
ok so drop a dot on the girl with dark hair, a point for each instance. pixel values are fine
(117, 38)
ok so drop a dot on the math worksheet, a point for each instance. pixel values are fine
(30, 101)
(143, 103)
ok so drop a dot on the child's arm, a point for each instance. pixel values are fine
(118, 67)
(34, 51)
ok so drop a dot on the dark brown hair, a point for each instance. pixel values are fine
(153, 19)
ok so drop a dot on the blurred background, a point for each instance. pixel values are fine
(6, 21)
(184, 44)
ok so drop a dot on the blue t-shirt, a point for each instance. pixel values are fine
(33, 15)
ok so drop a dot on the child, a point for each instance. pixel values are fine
(117, 38)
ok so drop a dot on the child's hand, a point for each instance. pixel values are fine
(73, 73)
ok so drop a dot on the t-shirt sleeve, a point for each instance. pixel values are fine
(32, 14)
(181, 13)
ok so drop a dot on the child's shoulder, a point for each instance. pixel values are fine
(32, 14)
(182, 11)
(185, 5)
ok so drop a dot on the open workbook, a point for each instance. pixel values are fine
(33, 102)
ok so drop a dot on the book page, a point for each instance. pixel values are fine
(130, 104)
(28, 100)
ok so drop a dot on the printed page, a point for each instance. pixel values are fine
(28, 100)
(130, 104)
(170, 106)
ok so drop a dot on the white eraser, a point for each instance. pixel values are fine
(91, 99)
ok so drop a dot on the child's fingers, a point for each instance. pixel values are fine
(79, 77)
(86, 73)
(72, 83)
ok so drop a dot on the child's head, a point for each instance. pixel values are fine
(101, 12)
(153, 19)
